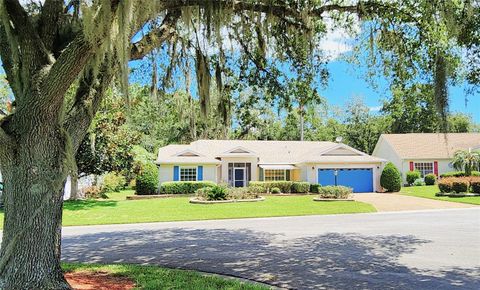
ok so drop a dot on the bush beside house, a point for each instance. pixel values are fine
(391, 179)
(412, 176)
(283, 186)
(458, 174)
(147, 180)
(430, 179)
(183, 187)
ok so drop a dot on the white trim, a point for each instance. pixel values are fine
(341, 145)
(229, 153)
(187, 167)
(279, 166)
(244, 169)
(188, 151)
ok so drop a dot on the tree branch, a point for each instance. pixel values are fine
(155, 37)
(49, 21)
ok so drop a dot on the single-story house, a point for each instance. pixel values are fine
(425, 152)
(237, 162)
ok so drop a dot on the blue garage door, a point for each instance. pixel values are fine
(360, 179)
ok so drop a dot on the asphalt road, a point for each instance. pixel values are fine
(437, 249)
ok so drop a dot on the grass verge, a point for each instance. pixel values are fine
(153, 278)
(429, 191)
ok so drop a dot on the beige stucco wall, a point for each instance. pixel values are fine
(165, 172)
(226, 160)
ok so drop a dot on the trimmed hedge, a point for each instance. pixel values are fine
(147, 180)
(455, 184)
(430, 179)
(301, 187)
(391, 179)
(284, 186)
(458, 174)
(445, 185)
(460, 185)
(314, 187)
(475, 184)
(412, 176)
(183, 187)
(335, 192)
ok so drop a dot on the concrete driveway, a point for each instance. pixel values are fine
(398, 202)
(409, 250)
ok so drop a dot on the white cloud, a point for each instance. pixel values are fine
(375, 108)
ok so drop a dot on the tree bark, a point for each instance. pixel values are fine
(34, 178)
(73, 186)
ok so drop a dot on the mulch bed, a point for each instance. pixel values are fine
(98, 281)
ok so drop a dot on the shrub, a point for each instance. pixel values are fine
(147, 180)
(285, 186)
(314, 187)
(430, 179)
(94, 192)
(275, 190)
(334, 191)
(256, 189)
(460, 184)
(475, 184)
(391, 179)
(216, 192)
(301, 187)
(241, 193)
(113, 182)
(419, 182)
(183, 187)
(445, 185)
(458, 174)
(412, 176)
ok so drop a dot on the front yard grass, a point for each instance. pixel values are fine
(429, 191)
(117, 210)
(152, 277)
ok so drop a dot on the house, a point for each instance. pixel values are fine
(425, 152)
(237, 162)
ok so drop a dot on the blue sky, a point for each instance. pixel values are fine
(346, 82)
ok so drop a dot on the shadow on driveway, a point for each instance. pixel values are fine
(333, 261)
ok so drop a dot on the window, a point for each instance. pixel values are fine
(188, 174)
(424, 168)
(275, 175)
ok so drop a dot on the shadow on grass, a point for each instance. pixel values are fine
(326, 261)
(88, 204)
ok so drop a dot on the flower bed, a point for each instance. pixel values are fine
(332, 193)
(224, 194)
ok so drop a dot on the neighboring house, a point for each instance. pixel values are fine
(425, 152)
(237, 162)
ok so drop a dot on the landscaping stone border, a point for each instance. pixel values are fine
(198, 201)
(332, 199)
(457, 194)
(152, 196)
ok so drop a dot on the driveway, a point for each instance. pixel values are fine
(398, 202)
(409, 250)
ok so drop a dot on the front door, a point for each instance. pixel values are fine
(239, 177)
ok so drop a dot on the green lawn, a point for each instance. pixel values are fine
(429, 192)
(151, 277)
(117, 210)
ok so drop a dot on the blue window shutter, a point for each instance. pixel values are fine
(200, 173)
(176, 173)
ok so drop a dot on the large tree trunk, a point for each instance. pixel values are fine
(34, 177)
(74, 185)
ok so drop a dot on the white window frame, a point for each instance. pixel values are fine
(275, 177)
(187, 167)
(423, 171)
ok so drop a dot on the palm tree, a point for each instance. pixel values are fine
(467, 160)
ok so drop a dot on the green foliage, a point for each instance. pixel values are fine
(215, 192)
(256, 189)
(300, 187)
(466, 160)
(109, 142)
(335, 192)
(275, 190)
(391, 180)
(242, 193)
(430, 179)
(458, 174)
(284, 186)
(475, 184)
(113, 182)
(445, 185)
(183, 187)
(147, 180)
(460, 184)
(411, 176)
(94, 192)
(314, 187)
(419, 182)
